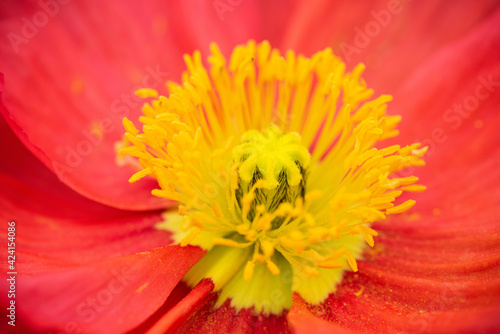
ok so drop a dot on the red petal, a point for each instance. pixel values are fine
(391, 37)
(69, 83)
(460, 136)
(50, 216)
(457, 86)
(122, 292)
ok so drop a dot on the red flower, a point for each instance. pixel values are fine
(88, 259)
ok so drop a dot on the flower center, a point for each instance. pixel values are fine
(272, 161)
(270, 192)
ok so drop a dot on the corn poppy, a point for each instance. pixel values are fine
(96, 253)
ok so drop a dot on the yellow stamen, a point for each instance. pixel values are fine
(139, 175)
(402, 207)
(414, 188)
(273, 268)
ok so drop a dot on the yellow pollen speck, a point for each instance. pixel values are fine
(142, 287)
(357, 294)
(274, 161)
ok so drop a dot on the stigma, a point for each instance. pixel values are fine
(274, 164)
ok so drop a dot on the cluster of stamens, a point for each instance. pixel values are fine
(272, 161)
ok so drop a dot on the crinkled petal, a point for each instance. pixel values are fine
(69, 83)
(57, 227)
(121, 292)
